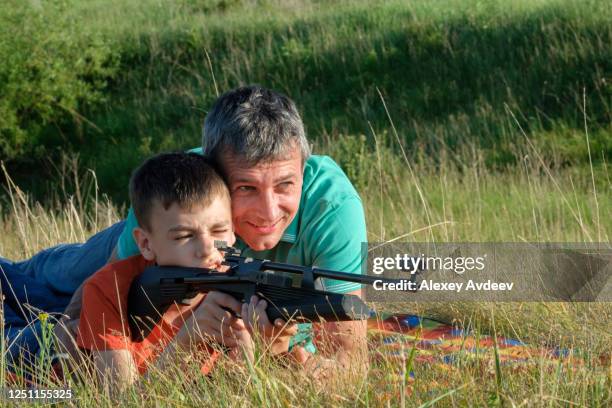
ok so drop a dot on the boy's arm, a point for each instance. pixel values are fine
(115, 368)
(66, 329)
(102, 331)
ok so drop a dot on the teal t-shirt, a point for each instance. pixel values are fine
(327, 231)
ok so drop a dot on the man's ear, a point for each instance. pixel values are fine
(144, 243)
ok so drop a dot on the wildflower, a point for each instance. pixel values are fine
(43, 317)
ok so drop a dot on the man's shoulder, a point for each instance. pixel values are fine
(325, 180)
(331, 214)
(117, 276)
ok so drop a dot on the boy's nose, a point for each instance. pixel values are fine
(206, 247)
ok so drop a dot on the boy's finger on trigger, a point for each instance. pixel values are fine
(222, 315)
(226, 301)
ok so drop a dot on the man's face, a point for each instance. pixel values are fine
(265, 198)
(186, 237)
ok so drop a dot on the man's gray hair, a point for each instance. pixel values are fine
(256, 124)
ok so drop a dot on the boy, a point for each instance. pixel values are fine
(182, 206)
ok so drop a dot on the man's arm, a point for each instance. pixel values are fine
(342, 349)
(338, 236)
(344, 340)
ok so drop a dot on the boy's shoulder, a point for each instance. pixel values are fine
(104, 304)
(118, 276)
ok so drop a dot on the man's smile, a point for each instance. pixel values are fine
(265, 228)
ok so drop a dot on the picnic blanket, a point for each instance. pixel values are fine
(430, 341)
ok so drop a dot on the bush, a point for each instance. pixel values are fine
(51, 68)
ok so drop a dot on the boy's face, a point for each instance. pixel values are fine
(186, 237)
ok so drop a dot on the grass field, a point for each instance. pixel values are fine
(456, 121)
(534, 204)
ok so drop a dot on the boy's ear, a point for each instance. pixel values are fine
(144, 243)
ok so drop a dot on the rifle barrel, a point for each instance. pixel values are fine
(326, 273)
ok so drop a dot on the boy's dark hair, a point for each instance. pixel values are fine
(182, 178)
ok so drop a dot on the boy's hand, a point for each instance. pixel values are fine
(245, 347)
(276, 336)
(212, 320)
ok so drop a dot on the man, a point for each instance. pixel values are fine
(287, 206)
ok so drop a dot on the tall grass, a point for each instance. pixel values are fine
(464, 201)
(459, 199)
(73, 213)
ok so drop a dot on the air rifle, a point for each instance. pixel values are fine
(292, 292)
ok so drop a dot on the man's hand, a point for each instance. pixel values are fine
(340, 344)
(342, 351)
(275, 336)
(345, 341)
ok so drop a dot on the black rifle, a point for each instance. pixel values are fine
(292, 292)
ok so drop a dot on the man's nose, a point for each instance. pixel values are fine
(268, 208)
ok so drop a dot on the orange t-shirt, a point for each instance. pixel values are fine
(104, 318)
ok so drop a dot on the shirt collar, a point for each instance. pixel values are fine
(290, 234)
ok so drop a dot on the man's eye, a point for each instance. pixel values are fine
(285, 185)
(245, 188)
(182, 237)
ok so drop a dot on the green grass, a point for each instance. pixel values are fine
(460, 200)
(449, 71)
(456, 202)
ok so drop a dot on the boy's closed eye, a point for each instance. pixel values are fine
(188, 235)
(183, 237)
